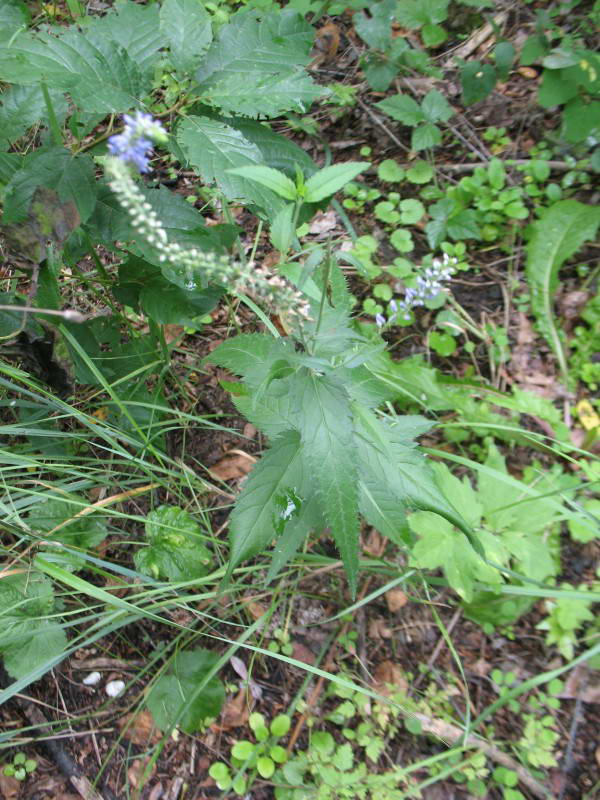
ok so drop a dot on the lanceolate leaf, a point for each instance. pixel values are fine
(330, 180)
(253, 522)
(555, 237)
(325, 424)
(269, 177)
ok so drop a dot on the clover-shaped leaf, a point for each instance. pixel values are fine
(175, 550)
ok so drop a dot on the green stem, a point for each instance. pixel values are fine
(326, 274)
(52, 121)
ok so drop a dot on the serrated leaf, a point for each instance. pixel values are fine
(29, 636)
(416, 13)
(425, 136)
(23, 106)
(282, 228)
(100, 76)
(440, 546)
(175, 548)
(277, 151)
(257, 42)
(403, 109)
(214, 148)
(83, 533)
(251, 94)
(331, 179)
(249, 355)
(435, 107)
(186, 25)
(269, 177)
(555, 237)
(253, 522)
(376, 29)
(324, 420)
(133, 26)
(175, 698)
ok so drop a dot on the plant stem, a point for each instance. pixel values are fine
(52, 121)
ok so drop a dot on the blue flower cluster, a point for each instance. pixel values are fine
(132, 146)
(429, 284)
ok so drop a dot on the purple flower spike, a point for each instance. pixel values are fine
(380, 320)
(133, 145)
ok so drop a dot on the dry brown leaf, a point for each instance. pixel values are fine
(235, 712)
(139, 728)
(528, 72)
(389, 674)
(9, 787)
(597, 754)
(480, 667)
(395, 599)
(249, 430)
(256, 610)
(582, 683)
(137, 769)
(172, 332)
(323, 222)
(379, 630)
(303, 653)
(235, 464)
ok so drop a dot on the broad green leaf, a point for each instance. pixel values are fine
(425, 136)
(403, 109)
(29, 636)
(270, 95)
(254, 520)
(441, 546)
(269, 177)
(277, 151)
(175, 547)
(376, 29)
(282, 228)
(256, 42)
(100, 76)
(214, 148)
(54, 168)
(555, 237)
(323, 418)
(477, 81)
(23, 106)
(186, 25)
(589, 528)
(460, 493)
(249, 355)
(411, 211)
(134, 27)
(82, 533)
(416, 13)
(331, 179)
(168, 304)
(175, 698)
(13, 15)
(294, 533)
(435, 107)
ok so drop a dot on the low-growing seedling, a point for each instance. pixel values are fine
(20, 767)
(252, 759)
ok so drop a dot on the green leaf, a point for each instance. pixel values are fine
(590, 529)
(416, 13)
(176, 551)
(100, 76)
(30, 637)
(257, 512)
(267, 176)
(324, 420)
(23, 106)
(282, 228)
(270, 95)
(252, 42)
(477, 80)
(213, 148)
(83, 533)
(557, 87)
(13, 15)
(504, 54)
(402, 108)
(411, 211)
(249, 355)
(433, 35)
(376, 29)
(265, 767)
(435, 107)
(425, 136)
(175, 698)
(331, 179)
(186, 25)
(420, 172)
(134, 27)
(555, 237)
(277, 150)
(440, 546)
(390, 171)
(54, 168)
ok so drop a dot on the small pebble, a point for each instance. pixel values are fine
(92, 679)
(114, 688)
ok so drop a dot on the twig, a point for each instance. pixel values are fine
(450, 733)
(382, 125)
(438, 649)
